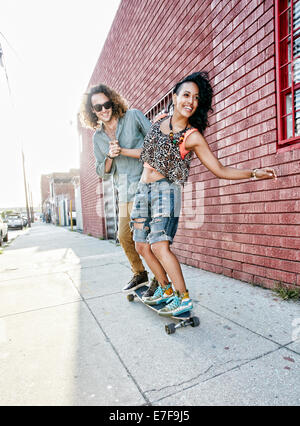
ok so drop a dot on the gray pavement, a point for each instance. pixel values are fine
(68, 335)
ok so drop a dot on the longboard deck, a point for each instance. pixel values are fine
(139, 293)
(183, 319)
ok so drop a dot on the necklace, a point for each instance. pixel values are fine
(171, 134)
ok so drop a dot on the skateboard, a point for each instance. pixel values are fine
(183, 320)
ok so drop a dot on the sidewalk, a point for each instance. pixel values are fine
(68, 335)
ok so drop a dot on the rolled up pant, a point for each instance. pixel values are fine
(126, 238)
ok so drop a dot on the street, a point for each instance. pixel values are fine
(68, 335)
(14, 233)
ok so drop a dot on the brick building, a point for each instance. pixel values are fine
(246, 230)
(45, 188)
(57, 190)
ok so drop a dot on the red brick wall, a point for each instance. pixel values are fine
(251, 229)
(45, 187)
(64, 188)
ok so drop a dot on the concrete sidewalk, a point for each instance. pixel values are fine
(68, 335)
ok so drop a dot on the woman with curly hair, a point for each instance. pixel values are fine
(118, 138)
(167, 153)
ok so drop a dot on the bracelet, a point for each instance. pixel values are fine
(253, 174)
(111, 158)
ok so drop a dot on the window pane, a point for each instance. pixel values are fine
(285, 51)
(284, 4)
(297, 124)
(286, 77)
(297, 70)
(289, 126)
(297, 113)
(296, 18)
(285, 24)
(297, 100)
(288, 104)
(296, 51)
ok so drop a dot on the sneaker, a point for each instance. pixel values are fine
(151, 289)
(177, 305)
(161, 294)
(136, 282)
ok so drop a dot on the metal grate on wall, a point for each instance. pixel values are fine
(160, 107)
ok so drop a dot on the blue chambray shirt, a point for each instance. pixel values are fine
(126, 171)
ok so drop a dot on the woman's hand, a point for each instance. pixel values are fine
(265, 173)
(114, 149)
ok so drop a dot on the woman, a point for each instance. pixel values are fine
(167, 152)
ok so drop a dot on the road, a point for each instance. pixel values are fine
(13, 234)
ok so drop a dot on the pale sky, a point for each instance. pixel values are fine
(51, 50)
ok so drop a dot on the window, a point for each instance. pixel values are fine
(287, 15)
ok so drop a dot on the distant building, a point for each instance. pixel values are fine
(77, 215)
(251, 50)
(45, 197)
(57, 190)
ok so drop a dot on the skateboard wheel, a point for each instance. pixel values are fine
(195, 321)
(170, 328)
(130, 297)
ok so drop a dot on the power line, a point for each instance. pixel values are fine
(2, 64)
(9, 44)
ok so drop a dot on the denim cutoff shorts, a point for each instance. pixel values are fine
(158, 204)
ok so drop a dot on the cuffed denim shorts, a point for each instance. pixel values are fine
(158, 204)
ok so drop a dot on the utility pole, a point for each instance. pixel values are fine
(32, 210)
(26, 196)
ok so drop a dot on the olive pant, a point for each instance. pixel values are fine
(125, 238)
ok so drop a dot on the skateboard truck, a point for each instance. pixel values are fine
(171, 328)
(184, 319)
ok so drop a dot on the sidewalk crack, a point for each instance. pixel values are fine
(181, 383)
(217, 374)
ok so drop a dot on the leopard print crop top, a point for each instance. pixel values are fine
(164, 156)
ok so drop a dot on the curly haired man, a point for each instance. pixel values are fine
(118, 138)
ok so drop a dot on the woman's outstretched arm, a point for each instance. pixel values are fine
(197, 143)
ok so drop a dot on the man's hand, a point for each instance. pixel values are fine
(114, 149)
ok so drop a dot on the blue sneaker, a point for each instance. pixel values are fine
(177, 305)
(161, 294)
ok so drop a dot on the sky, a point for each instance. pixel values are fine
(50, 49)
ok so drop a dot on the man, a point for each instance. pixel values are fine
(118, 139)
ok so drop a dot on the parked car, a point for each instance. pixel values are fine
(14, 222)
(25, 220)
(3, 231)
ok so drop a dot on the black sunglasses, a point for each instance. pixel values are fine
(106, 105)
